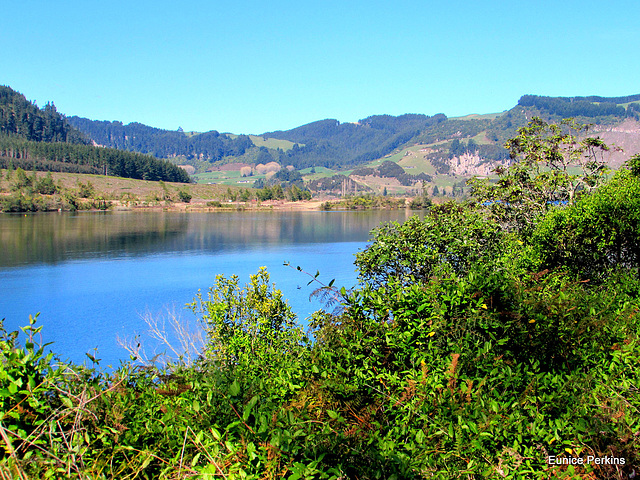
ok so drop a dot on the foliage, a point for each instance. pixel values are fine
(85, 190)
(540, 175)
(294, 193)
(45, 185)
(330, 143)
(250, 331)
(365, 202)
(19, 117)
(597, 234)
(19, 202)
(136, 137)
(449, 239)
(421, 202)
(389, 169)
(184, 196)
(68, 157)
(467, 350)
(633, 164)
(566, 107)
(21, 181)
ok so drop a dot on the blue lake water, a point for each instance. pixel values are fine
(93, 276)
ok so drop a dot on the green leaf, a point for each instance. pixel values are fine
(234, 389)
(249, 407)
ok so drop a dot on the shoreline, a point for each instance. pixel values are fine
(125, 194)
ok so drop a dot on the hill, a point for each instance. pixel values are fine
(22, 118)
(43, 139)
(444, 150)
(136, 137)
(329, 143)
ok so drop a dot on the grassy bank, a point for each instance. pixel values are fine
(71, 191)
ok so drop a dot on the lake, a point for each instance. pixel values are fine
(93, 276)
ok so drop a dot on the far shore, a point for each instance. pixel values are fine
(204, 206)
(126, 194)
(268, 205)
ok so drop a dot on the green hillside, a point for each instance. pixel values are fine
(418, 143)
(43, 139)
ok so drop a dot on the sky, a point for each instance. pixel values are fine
(254, 66)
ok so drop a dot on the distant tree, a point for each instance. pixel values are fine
(472, 146)
(264, 156)
(22, 180)
(277, 192)
(184, 196)
(46, 185)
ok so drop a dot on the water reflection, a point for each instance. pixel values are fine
(53, 238)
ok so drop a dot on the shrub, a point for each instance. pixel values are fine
(22, 180)
(45, 185)
(20, 203)
(184, 196)
(85, 190)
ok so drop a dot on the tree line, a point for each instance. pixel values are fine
(20, 117)
(567, 107)
(68, 157)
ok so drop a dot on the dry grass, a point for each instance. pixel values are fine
(183, 340)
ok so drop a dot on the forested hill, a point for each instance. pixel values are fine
(20, 117)
(590, 107)
(137, 137)
(330, 143)
(42, 139)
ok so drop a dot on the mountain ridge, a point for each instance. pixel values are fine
(332, 144)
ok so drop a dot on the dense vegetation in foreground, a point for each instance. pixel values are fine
(481, 341)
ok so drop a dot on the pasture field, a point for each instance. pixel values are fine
(226, 177)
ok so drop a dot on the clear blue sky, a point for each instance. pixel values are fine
(257, 66)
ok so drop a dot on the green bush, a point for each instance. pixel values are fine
(18, 202)
(45, 185)
(85, 190)
(22, 180)
(184, 196)
(598, 233)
